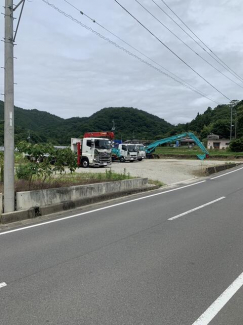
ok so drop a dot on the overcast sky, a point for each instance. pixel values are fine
(68, 71)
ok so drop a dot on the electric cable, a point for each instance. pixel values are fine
(199, 38)
(125, 50)
(199, 44)
(190, 48)
(95, 21)
(172, 51)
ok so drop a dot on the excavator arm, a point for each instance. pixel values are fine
(151, 147)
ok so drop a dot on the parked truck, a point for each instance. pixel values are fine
(94, 149)
(141, 151)
(124, 152)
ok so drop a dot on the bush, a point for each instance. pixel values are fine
(26, 171)
(236, 145)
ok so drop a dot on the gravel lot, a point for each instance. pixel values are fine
(168, 171)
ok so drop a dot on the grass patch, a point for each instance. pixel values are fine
(67, 180)
(184, 151)
(157, 183)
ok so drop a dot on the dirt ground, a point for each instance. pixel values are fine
(168, 171)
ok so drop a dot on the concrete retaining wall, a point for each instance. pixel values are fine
(220, 168)
(30, 199)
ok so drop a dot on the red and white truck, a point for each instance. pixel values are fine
(94, 149)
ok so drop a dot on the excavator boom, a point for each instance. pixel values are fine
(151, 147)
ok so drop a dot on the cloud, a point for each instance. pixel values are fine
(68, 71)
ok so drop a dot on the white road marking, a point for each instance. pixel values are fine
(233, 171)
(96, 210)
(3, 284)
(219, 303)
(195, 209)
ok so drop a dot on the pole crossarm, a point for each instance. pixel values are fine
(20, 15)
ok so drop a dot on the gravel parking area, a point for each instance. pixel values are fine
(168, 171)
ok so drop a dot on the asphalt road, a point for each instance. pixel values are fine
(126, 263)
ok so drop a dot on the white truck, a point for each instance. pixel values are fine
(141, 151)
(125, 152)
(94, 149)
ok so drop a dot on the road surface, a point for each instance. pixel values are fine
(170, 257)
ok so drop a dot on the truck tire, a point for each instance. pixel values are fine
(122, 159)
(85, 162)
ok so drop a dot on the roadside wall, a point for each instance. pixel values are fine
(30, 199)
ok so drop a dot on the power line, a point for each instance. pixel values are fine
(199, 38)
(199, 44)
(190, 48)
(126, 51)
(95, 21)
(172, 50)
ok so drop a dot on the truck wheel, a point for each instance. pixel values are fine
(85, 163)
(122, 159)
(140, 159)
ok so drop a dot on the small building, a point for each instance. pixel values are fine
(218, 144)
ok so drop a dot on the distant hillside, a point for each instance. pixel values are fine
(129, 122)
(215, 121)
(45, 127)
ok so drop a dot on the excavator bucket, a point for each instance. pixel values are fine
(202, 156)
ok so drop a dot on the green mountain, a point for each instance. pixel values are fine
(130, 123)
(215, 121)
(45, 127)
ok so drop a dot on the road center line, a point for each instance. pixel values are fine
(195, 209)
(233, 171)
(100, 209)
(3, 284)
(219, 303)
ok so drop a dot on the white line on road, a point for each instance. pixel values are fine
(195, 209)
(100, 209)
(233, 171)
(219, 303)
(3, 284)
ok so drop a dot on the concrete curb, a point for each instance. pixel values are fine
(220, 168)
(45, 210)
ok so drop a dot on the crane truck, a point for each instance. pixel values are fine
(94, 149)
(151, 147)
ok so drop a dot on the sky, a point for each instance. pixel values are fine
(67, 70)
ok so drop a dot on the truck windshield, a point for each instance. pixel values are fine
(131, 148)
(102, 144)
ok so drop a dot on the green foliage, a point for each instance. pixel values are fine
(41, 157)
(65, 157)
(44, 127)
(130, 123)
(237, 145)
(27, 171)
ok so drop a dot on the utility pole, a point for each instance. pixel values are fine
(10, 36)
(232, 104)
(9, 110)
(231, 120)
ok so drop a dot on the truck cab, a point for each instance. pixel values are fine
(141, 151)
(125, 152)
(92, 151)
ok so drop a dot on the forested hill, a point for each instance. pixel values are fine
(129, 122)
(45, 127)
(215, 121)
